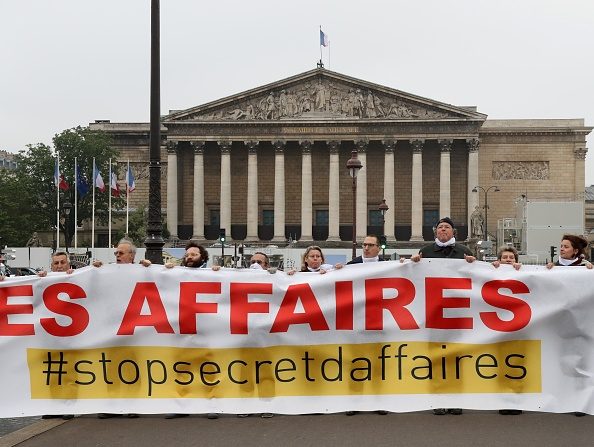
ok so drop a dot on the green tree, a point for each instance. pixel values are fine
(32, 185)
(137, 221)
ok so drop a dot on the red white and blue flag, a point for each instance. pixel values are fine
(115, 188)
(324, 39)
(130, 183)
(99, 180)
(59, 179)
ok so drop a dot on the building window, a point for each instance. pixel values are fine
(375, 218)
(430, 217)
(215, 218)
(267, 217)
(321, 218)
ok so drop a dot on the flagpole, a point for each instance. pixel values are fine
(321, 45)
(127, 195)
(58, 203)
(75, 204)
(109, 205)
(93, 208)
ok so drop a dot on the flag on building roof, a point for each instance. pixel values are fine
(324, 39)
(59, 179)
(130, 183)
(98, 182)
(81, 183)
(115, 188)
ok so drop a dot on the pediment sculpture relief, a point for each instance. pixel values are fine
(322, 99)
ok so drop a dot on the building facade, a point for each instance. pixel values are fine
(269, 164)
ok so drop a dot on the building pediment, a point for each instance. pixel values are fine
(323, 95)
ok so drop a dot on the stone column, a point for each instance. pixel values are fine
(252, 192)
(361, 146)
(306, 194)
(417, 191)
(445, 209)
(473, 178)
(390, 217)
(225, 212)
(198, 215)
(580, 171)
(279, 192)
(172, 210)
(334, 192)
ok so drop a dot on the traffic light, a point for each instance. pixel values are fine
(222, 236)
(383, 243)
(553, 252)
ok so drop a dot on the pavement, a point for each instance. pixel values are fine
(473, 428)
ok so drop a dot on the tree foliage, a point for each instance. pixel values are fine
(28, 195)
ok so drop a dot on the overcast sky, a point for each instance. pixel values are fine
(69, 62)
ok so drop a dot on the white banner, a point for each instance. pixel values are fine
(389, 336)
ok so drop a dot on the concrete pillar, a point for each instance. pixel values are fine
(306, 192)
(445, 208)
(279, 192)
(252, 192)
(334, 192)
(172, 210)
(198, 213)
(225, 211)
(361, 146)
(417, 191)
(390, 217)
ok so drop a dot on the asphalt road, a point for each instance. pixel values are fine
(474, 428)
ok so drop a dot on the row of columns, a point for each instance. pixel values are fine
(306, 188)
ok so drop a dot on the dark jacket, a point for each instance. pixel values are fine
(359, 260)
(456, 251)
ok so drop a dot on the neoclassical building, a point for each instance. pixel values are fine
(269, 164)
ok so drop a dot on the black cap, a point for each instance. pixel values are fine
(446, 220)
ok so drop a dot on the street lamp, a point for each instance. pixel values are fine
(383, 208)
(66, 207)
(353, 165)
(486, 206)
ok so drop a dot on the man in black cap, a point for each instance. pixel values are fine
(445, 246)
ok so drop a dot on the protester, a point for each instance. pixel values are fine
(507, 255)
(572, 252)
(125, 253)
(371, 249)
(313, 261)
(445, 246)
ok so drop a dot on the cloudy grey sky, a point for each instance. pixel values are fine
(70, 62)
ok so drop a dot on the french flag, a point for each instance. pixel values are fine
(324, 39)
(59, 180)
(99, 180)
(130, 183)
(115, 188)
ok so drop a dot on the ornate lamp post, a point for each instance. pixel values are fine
(495, 188)
(383, 208)
(66, 207)
(353, 165)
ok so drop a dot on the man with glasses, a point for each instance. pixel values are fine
(124, 253)
(371, 249)
(260, 261)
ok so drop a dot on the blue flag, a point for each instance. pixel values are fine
(81, 183)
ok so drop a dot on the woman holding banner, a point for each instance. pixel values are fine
(572, 252)
(313, 261)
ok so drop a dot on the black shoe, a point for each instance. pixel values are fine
(176, 415)
(107, 415)
(579, 414)
(439, 411)
(455, 411)
(67, 417)
(510, 412)
(212, 416)
(351, 413)
(132, 415)
(266, 415)
(51, 416)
